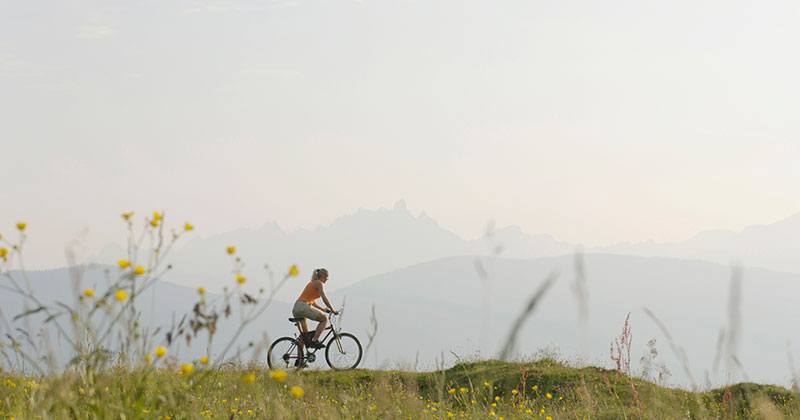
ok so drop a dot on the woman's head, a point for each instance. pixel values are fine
(320, 274)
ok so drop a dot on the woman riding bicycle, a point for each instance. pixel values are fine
(307, 307)
(343, 350)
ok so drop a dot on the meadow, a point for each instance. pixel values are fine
(119, 368)
(543, 389)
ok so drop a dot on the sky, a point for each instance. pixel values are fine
(595, 122)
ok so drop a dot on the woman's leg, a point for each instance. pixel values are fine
(320, 328)
(320, 317)
(304, 310)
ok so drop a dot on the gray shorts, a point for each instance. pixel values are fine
(304, 310)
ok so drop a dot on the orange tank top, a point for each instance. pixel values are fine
(310, 294)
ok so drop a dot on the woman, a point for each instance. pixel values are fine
(307, 307)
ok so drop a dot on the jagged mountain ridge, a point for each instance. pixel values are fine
(370, 242)
(353, 247)
(774, 246)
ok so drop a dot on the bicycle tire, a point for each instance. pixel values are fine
(286, 360)
(332, 347)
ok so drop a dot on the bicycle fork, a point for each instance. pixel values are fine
(338, 341)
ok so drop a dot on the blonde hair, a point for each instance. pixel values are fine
(318, 273)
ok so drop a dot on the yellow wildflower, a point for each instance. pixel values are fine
(535, 388)
(187, 368)
(161, 351)
(204, 360)
(497, 398)
(241, 279)
(188, 227)
(514, 392)
(3, 252)
(21, 226)
(294, 271)
(157, 216)
(154, 223)
(201, 290)
(451, 391)
(297, 392)
(230, 249)
(123, 263)
(121, 295)
(139, 270)
(549, 396)
(548, 418)
(278, 375)
(127, 215)
(487, 384)
(88, 292)
(463, 390)
(249, 378)
(541, 411)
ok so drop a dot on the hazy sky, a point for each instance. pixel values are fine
(596, 122)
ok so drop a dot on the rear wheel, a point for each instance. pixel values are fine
(283, 353)
(343, 352)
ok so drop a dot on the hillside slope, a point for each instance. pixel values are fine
(543, 389)
(445, 305)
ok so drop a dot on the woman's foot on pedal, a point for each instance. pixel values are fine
(308, 337)
(316, 345)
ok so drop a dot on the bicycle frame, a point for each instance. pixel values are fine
(329, 330)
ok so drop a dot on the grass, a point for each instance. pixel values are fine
(483, 389)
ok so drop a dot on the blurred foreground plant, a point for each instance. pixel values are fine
(102, 326)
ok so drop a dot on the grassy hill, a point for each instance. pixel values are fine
(539, 389)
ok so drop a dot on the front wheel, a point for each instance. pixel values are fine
(284, 354)
(343, 352)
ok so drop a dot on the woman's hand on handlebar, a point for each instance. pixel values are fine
(331, 311)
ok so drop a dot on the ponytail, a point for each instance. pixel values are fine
(318, 273)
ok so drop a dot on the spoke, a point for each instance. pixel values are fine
(346, 354)
(283, 353)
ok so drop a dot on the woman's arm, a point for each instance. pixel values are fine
(325, 299)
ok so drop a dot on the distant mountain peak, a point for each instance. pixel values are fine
(791, 220)
(272, 226)
(400, 206)
(515, 229)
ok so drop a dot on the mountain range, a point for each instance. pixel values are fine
(775, 246)
(371, 242)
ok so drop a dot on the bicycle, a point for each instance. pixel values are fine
(342, 351)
